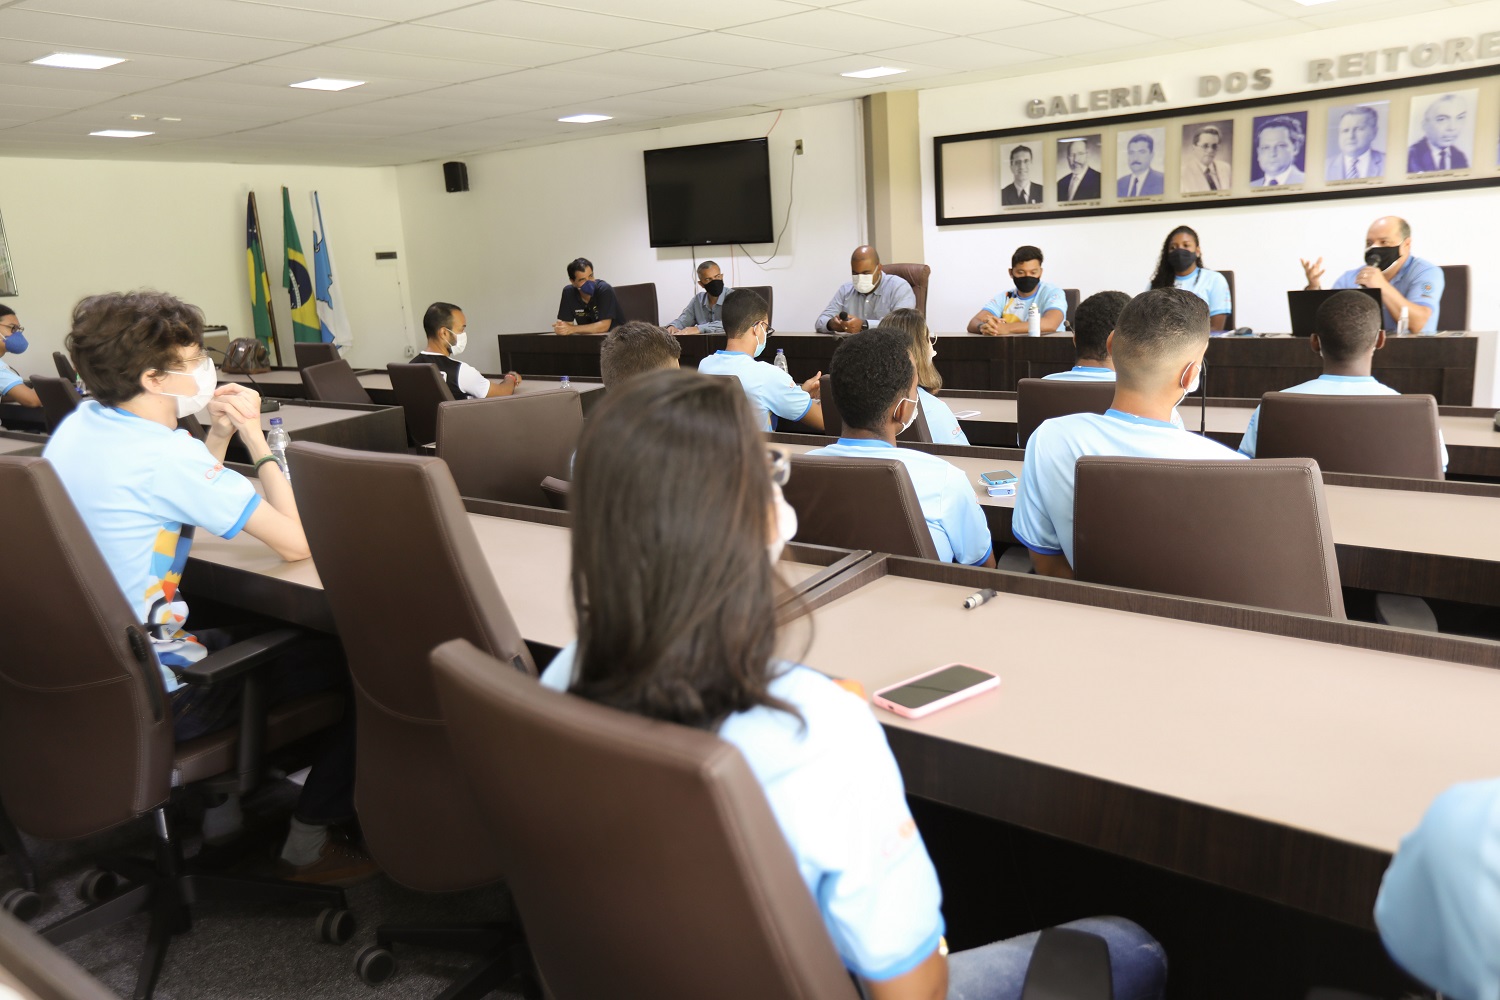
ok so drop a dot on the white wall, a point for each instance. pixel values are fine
(500, 250)
(79, 227)
(1260, 244)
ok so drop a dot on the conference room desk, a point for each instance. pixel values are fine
(1404, 536)
(345, 425)
(577, 355)
(21, 445)
(15, 417)
(378, 385)
(1278, 755)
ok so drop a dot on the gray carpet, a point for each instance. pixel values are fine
(251, 952)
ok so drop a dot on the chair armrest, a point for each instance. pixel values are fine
(1068, 965)
(236, 660)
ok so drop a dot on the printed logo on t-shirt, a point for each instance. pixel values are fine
(211, 473)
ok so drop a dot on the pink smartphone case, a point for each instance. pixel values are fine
(952, 699)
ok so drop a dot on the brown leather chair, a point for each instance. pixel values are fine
(1072, 296)
(419, 389)
(1252, 533)
(1229, 323)
(86, 726)
(40, 971)
(639, 302)
(502, 448)
(556, 491)
(858, 503)
(59, 398)
(833, 420)
(765, 292)
(334, 382)
(1040, 399)
(65, 369)
(315, 354)
(1362, 435)
(1453, 307)
(419, 820)
(916, 275)
(680, 805)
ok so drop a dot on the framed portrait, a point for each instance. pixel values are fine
(1278, 151)
(1022, 170)
(1441, 136)
(1140, 163)
(1358, 140)
(1207, 155)
(972, 175)
(1078, 168)
(7, 269)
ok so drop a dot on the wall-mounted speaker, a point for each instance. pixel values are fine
(456, 176)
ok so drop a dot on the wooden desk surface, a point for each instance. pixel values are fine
(278, 377)
(10, 446)
(296, 418)
(972, 468)
(381, 382)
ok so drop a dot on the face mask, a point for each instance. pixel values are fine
(1197, 377)
(1181, 260)
(588, 287)
(459, 343)
(205, 379)
(931, 350)
(911, 419)
(1382, 257)
(1026, 284)
(15, 343)
(786, 525)
(760, 345)
(864, 284)
(714, 288)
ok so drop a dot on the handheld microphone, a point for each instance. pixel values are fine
(979, 597)
(843, 317)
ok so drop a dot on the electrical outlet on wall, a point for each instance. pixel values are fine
(798, 147)
(411, 351)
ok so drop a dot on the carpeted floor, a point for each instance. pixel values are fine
(249, 952)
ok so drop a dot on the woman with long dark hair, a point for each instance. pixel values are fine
(678, 520)
(1181, 265)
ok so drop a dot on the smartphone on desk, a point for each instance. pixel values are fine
(926, 693)
(1003, 477)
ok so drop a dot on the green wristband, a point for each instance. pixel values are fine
(263, 461)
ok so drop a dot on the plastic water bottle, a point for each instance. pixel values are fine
(1033, 321)
(277, 440)
(78, 385)
(565, 383)
(1403, 322)
(781, 360)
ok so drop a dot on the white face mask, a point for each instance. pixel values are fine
(864, 284)
(911, 419)
(461, 342)
(1197, 377)
(931, 350)
(205, 380)
(786, 525)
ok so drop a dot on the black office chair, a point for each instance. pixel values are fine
(639, 302)
(59, 399)
(765, 292)
(419, 389)
(316, 354)
(333, 382)
(1234, 304)
(65, 369)
(1453, 307)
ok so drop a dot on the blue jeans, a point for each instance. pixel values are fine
(998, 971)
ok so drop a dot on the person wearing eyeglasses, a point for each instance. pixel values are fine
(1202, 170)
(775, 395)
(13, 389)
(704, 314)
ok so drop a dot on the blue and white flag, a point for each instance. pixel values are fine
(332, 319)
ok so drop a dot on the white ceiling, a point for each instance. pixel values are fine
(449, 78)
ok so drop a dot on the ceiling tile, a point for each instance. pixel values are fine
(387, 10)
(636, 66)
(354, 64)
(739, 50)
(93, 35)
(406, 113)
(693, 13)
(136, 64)
(556, 85)
(855, 34)
(229, 17)
(53, 97)
(957, 17)
(954, 54)
(1344, 14)
(1177, 18)
(1076, 34)
(450, 43)
(519, 19)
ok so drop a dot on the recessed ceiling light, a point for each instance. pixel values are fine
(585, 119)
(121, 133)
(320, 83)
(77, 60)
(870, 74)
(169, 119)
(1313, 3)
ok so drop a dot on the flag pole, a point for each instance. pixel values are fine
(270, 312)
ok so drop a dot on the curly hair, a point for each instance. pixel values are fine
(120, 336)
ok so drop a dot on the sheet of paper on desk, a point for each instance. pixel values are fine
(965, 414)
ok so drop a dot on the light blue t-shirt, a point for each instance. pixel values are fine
(837, 795)
(1045, 298)
(8, 378)
(1420, 282)
(1043, 521)
(1330, 385)
(1083, 373)
(1438, 911)
(141, 488)
(941, 423)
(771, 390)
(959, 530)
(1210, 286)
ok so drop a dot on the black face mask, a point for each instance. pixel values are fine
(1382, 257)
(1180, 259)
(714, 288)
(1026, 284)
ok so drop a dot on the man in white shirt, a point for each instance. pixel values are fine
(447, 336)
(771, 390)
(1357, 156)
(1278, 144)
(1157, 346)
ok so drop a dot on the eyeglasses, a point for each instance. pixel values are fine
(778, 466)
(769, 328)
(192, 365)
(12, 329)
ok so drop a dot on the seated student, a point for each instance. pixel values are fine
(143, 487)
(635, 349)
(703, 313)
(1348, 336)
(875, 384)
(13, 341)
(707, 659)
(1093, 322)
(922, 346)
(1158, 347)
(746, 327)
(1010, 313)
(1181, 266)
(868, 298)
(587, 305)
(447, 337)
(1438, 911)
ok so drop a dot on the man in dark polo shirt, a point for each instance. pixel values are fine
(588, 305)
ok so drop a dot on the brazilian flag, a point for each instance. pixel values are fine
(260, 282)
(297, 280)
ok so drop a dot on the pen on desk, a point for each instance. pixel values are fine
(977, 598)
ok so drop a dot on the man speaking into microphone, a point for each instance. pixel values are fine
(1404, 281)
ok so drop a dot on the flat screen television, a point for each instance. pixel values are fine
(709, 195)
